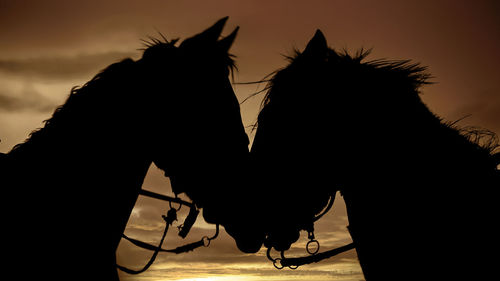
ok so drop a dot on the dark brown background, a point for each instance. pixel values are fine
(46, 47)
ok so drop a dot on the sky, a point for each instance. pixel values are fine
(47, 47)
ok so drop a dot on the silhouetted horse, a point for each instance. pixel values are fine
(69, 189)
(420, 193)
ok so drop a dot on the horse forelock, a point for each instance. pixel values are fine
(155, 47)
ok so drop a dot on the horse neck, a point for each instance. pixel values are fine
(436, 140)
(429, 191)
(72, 164)
(426, 149)
(75, 145)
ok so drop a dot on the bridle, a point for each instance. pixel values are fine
(169, 219)
(312, 247)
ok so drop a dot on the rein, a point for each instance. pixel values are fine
(312, 247)
(169, 219)
(294, 263)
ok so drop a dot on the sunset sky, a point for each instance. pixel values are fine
(47, 47)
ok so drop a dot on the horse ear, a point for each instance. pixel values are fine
(317, 46)
(212, 33)
(226, 43)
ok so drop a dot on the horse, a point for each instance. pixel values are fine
(69, 189)
(419, 190)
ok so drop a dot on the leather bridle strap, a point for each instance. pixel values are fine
(165, 197)
(295, 262)
(153, 257)
(169, 219)
(205, 241)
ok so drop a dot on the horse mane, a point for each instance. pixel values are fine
(404, 73)
(154, 45)
(486, 139)
(102, 90)
(81, 99)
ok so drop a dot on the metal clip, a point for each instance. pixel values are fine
(188, 223)
(312, 241)
(171, 216)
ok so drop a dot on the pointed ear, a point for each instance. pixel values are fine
(211, 34)
(226, 43)
(317, 46)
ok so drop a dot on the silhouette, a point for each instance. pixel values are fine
(419, 191)
(71, 186)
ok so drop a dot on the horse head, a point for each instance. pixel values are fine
(199, 139)
(313, 129)
(288, 175)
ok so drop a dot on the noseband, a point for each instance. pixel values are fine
(312, 247)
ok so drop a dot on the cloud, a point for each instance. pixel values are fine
(27, 99)
(20, 76)
(61, 67)
(344, 270)
(222, 258)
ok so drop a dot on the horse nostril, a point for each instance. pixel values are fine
(248, 246)
(282, 240)
(282, 246)
(247, 240)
